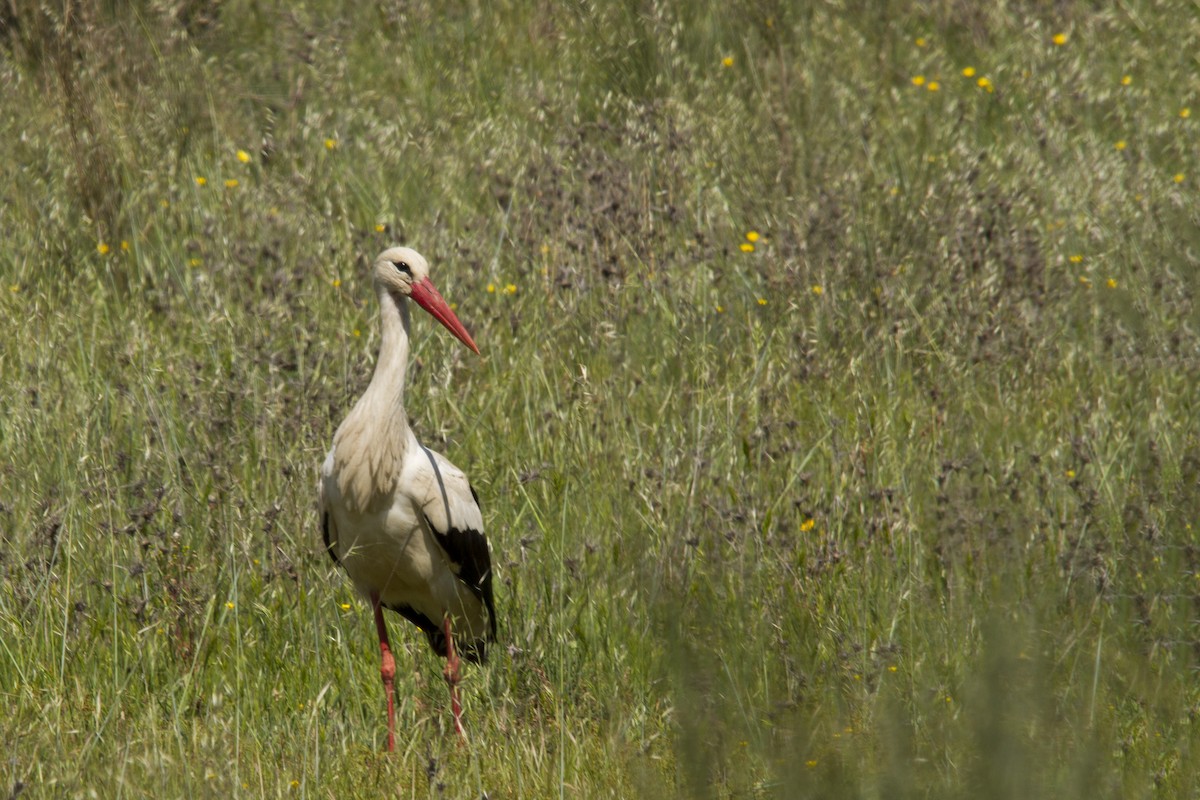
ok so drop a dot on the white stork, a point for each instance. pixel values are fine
(399, 518)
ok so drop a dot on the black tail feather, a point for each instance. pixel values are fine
(474, 651)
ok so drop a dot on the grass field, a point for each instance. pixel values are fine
(837, 427)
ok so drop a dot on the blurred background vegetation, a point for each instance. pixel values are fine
(836, 428)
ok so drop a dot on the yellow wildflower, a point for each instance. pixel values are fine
(1077, 258)
(1060, 39)
(336, 282)
(229, 605)
(1085, 281)
(812, 762)
(720, 309)
(345, 606)
(818, 290)
(243, 156)
(1120, 145)
(1111, 283)
(357, 333)
(201, 180)
(808, 525)
(968, 72)
(195, 262)
(1179, 177)
(1126, 80)
(1071, 474)
(491, 288)
(125, 245)
(727, 61)
(746, 247)
(752, 236)
(102, 249)
(510, 288)
(380, 227)
(330, 144)
(762, 301)
(933, 86)
(986, 85)
(920, 41)
(918, 80)
(1184, 113)
(231, 183)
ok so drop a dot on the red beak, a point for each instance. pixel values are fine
(428, 298)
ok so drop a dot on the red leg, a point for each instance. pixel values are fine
(451, 676)
(387, 670)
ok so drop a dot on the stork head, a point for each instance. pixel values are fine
(403, 272)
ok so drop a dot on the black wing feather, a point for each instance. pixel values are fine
(328, 538)
(468, 549)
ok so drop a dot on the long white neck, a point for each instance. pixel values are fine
(370, 445)
(386, 390)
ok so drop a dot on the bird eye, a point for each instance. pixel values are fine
(402, 266)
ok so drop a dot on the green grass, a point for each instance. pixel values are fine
(903, 503)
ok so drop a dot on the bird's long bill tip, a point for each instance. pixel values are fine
(428, 298)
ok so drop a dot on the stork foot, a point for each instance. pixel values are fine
(450, 673)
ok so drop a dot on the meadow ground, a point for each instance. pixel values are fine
(836, 426)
